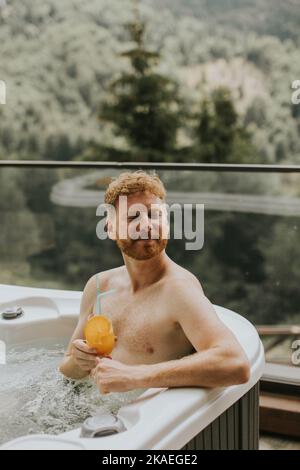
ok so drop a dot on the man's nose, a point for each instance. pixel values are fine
(145, 224)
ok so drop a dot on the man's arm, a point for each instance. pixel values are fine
(79, 359)
(210, 368)
(219, 359)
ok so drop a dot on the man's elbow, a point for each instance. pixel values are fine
(241, 371)
(237, 365)
(61, 368)
(64, 370)
(71, 372)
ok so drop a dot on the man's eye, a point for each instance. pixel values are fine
(135, 216)
(155, 215)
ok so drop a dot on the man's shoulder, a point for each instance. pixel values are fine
(110, 278)
(181, 283)
(184, 294)
(104, 278)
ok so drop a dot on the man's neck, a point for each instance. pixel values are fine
(143, 273)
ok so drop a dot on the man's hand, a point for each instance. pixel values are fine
(114, 376)
(84, 356)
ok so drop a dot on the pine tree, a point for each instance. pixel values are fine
(144, 104)
(219, 136)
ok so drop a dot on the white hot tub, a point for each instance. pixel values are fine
(177, 418)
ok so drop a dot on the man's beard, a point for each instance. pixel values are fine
(141, 250)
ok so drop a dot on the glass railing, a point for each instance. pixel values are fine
(250, 260)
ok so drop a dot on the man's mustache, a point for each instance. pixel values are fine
(145, 238)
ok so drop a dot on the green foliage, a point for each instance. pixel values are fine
(19, 234)
(220, 136)
(144, 106)
(272, 17)
(58, 59)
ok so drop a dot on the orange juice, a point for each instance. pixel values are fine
(99, 334)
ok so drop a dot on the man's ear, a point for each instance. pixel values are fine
(111, 228)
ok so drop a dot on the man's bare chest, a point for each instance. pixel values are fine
(144, 327)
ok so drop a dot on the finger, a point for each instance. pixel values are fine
(92, 364)
(102, 357)
(96, 370)
(82, 362)
(105, 360)
(85, 356)
(82, 346)
(84, 365)
(81, 343)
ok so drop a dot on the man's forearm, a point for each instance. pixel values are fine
(70, 369)
(202, 369)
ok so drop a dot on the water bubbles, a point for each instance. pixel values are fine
(36, 398)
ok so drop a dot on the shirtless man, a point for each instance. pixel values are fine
(168, 333)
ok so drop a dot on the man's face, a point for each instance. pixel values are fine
(141, 225)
